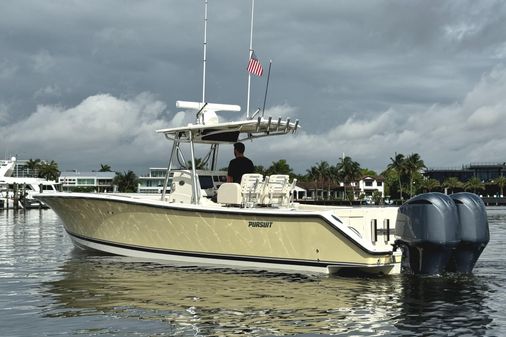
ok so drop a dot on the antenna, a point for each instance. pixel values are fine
(250, 53)
(205, 54)
(267, 87)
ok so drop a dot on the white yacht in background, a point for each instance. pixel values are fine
(7, 167)
(27, 186)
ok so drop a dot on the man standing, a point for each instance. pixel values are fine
(240, 165)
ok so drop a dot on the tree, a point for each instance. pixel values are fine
(413, 164)
(258, 169)
(398, 165)
(279, 167)
(348, 170)
(474, 184)
(452, 183)
(49, 171)
(33, 166)
(313, 174)
(376, 197)
(104, 168)
(324, 174)
(391, 179)
(430, 184)
(501, 182)
(127, 181)
(199, 164)
(368, 172)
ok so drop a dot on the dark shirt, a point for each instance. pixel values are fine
(239, 166)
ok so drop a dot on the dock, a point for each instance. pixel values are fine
(15, 197)
(494, 201)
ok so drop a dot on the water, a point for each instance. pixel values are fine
(48, 288)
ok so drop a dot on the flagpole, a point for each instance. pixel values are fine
(267, 86)
(250, 53)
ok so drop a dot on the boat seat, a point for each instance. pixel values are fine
(229, 194)
(251, 188)
(278, 190)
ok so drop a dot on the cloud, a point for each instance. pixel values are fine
(102, 128)
(7, 69)
(4, 113)
(43, 61)
(444, 135)
(120, 131)
(48, 91)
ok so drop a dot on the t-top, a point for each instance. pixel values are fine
(239, 166)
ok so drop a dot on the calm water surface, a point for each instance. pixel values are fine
(48, 288)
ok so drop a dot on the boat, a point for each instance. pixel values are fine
(205, 220)
(7, 167)
(256, 224)
(21, 190)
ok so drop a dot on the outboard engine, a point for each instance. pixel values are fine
(474, 232)
(427, 225)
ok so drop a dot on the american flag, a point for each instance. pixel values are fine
(254, 66)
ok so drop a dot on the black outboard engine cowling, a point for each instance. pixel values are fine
(427, 225)
(474, 232)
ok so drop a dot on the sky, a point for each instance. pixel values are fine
(86, 83)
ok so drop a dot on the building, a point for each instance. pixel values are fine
(369, 185)
(153, 181)
(486, 172)
(74, 181)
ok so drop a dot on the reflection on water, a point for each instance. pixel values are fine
(222, 301)
(444, 306)
(49, 288)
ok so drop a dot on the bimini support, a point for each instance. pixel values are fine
(195, 196)
(175, 146)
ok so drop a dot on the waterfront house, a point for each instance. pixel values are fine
(369, 185)
(153, 181)
(75, 181)
(366, 187)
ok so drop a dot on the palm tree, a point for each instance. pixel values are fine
(333, 175)
(501, 182)
(413, 165)
(368, 172)
(452, 183)
(430, 184)
(49, 171)
(258, 169)
(104, 168)
(126, 181)
(32, 166)
(280, 167)
(474, 184)
(323, 170)
(398, 165)
(313, 174)
(199, 164)
(348, 170)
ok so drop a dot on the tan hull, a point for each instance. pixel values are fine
(288, 240)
